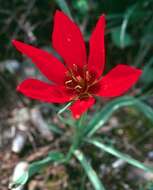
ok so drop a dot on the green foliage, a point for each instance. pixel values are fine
(37, 166)
(121, 42)
(102, 117)
(83, 134)
(96, 182)
(118, 154)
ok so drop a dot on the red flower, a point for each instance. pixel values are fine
(76, 80)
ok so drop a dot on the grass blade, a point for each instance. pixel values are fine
(120, 155)
(96, 182)
(102, 117)
(124, 25)
(35, 167)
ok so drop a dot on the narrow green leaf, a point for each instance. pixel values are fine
(120, 155)
(81, 121)
(64, 7)
(63, 120)
(77, 138)
(102, 117)
(126, 41)
(127, 16)
(35, 167)
(64, 108)
(96, 182)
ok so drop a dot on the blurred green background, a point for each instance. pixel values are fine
(128, 39)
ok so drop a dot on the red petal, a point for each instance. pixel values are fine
(47, 63)
(42, 91)
(68, 41)
(97, 48)
(80, 106)
(118, 80)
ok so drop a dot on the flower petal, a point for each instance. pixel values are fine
(118, 80)
(97, 48)
(42, 91)
(80, 106)
(68, 41)
(47, 63)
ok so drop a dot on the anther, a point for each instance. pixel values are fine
(68, 82)
(78, 87)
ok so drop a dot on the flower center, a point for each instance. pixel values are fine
(80, 81)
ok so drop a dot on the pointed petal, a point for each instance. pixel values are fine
(118, 80)
(97, 48)
(68, 41)
(81, 106)
(42, 91)
(47, 63)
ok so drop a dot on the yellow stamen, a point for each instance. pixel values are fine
(78, 87)
(68, 82)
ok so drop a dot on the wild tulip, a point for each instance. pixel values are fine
(77, 79)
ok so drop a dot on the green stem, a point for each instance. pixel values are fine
(77, 139)
(81, 121)
(94, 179)
(73, 147)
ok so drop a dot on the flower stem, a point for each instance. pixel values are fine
(77, 139)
